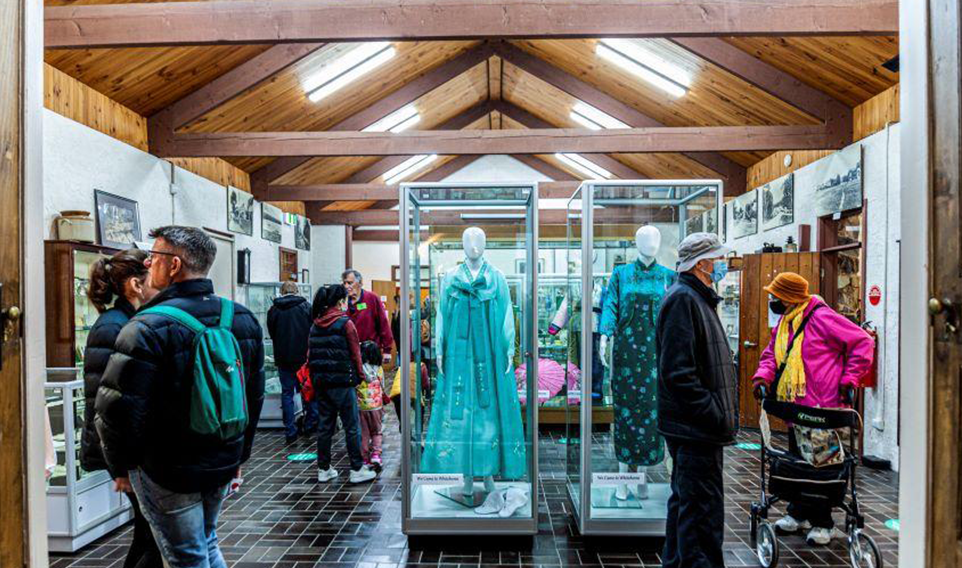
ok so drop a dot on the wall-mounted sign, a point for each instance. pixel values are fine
(875, 295)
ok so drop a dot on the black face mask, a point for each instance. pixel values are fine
(777, 306)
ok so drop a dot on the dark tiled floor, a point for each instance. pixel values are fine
(283, 518)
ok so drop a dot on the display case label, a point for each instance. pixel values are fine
(616, 478)
(544, 394)
(437, 479)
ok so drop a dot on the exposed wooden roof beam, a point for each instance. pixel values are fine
(532, 141)
(544, 167)
(287, 21)
(836, 115)
(372, 217)
(529, 120)
(381, 192)
(406, 95)
(437, 174)
(734, 174)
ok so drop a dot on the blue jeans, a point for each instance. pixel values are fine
(183, 523)
(333, 402)
(288, 388)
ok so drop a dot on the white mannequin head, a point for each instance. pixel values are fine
(474, 241)
(648, 241)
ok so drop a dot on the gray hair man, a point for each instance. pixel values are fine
(368, 313)
(144, 410)
(697, 403)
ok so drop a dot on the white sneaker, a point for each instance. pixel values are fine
(362, 475)
(325, 475)
(788, 524)
(820, 536)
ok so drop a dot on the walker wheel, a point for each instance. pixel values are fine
(766, 547)
(862, 550)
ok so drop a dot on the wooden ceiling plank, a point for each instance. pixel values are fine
(382, 192)
(404, 96)
(836, 115)
(733, 173)
(532, 141)
(537, 164)
(288, 21)
(372, 217)
(528, 120)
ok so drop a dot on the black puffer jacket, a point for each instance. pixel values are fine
(144, 398)
(697, 384)
(100, 346)
(289, 323)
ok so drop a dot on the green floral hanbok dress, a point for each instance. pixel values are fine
(475, 427)
(632, 301)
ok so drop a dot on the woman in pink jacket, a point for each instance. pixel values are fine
(822, 369)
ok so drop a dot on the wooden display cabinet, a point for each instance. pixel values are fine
(69, 313)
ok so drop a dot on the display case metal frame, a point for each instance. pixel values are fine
(587, 524)
(410, 207)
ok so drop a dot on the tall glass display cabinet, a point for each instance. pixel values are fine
(470, 455)
(623, 241)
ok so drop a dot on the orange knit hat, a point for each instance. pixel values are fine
(790, 288)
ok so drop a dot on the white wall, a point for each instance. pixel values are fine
(328, 248)
(78, 160)
(880, 170)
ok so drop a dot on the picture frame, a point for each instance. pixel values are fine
(745, 214)
(118, 220)
(302, 233)
(240, 211)
(839, 181)
(272, 219)
(778, 202)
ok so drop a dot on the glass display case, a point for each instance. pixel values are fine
(470, 441)
(81, 506)
(259, 297)
(623, 240)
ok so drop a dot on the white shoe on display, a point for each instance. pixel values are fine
(514, 499)
(788, 524)
(621, 493)
(493, 503)
(641, 491)
(326, 475)
(820, 536)
(362, 475)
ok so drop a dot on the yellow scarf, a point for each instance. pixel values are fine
(792, 383)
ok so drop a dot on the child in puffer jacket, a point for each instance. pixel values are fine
(370, 400)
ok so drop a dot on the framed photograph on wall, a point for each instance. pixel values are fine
(839, 181)
(118, 220)
(745, 214)
(709, 222)
(240, 211)
(778, 202)
(694, 224)
(271, 223)
(302, 233)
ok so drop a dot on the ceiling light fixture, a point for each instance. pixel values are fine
(590, 117)
(348, 68)
(399, 120)
(632, 56)
(408, 167)
(583, 165)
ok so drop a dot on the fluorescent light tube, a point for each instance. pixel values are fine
(592, 118)
(348, 68)
(585, 166)
(399, 120)
(644, 64)
(408, 167)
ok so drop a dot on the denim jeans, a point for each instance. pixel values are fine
(183, 523)
(288, 390)
(334, 402)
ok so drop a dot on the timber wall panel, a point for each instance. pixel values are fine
(872, 116)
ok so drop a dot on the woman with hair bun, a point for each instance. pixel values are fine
(118, 287)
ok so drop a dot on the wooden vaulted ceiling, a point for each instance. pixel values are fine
(149, 79)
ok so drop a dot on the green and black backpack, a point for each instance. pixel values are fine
(218, 399)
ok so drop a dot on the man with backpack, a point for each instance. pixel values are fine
(179, 401)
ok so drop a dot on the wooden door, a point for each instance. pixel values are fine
(288, 265)
(754, 331)
(386, 291)
(945, 522)
(12, 436)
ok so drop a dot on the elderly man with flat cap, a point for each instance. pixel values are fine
(697, 404)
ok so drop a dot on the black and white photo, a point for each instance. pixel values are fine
(778, 202)
(240, 211)
(302, 233)
(694, 224)
(838, 181)
(709, 223)
(745, 214)
(271, 223)
(118, 220)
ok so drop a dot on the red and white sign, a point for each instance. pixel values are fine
(875, 295)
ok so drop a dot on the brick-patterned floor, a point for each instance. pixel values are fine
(283, 518)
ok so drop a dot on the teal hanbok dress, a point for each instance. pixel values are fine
(632, 301)
(475, 427)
